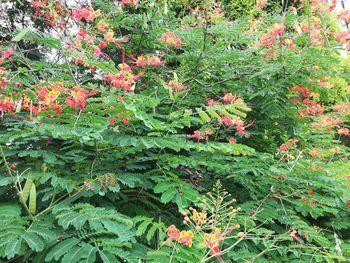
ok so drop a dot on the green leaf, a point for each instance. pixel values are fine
(203, 115)
(60, 249)
(168, 195)
(161, 187)
(90, 255)
(5, 181)
(143, 226)
(151, 232)
(107, 257)
(33, 241)
(77, 253)
(12, 248)
(21, 34)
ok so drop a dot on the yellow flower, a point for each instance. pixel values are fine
(185, 237)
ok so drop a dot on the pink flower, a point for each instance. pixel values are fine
(283, 148)
(227, 121)
(97, 51)
(344, 131)
(6, 53)
(198, 136)
(212, 103)
(232, 140)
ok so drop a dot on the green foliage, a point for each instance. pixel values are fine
(99, 173)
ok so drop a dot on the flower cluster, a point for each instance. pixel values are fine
(48, 98)
(344, 15)
(199, 136)
(311, 107)
(261, 3)
(344, 37)
(342, 108)
(6, 54)
(269, 38)
(290, 144)
(3, 83)
(170, 39)
(89, 14)
(77, 98)
(212, 241)
(125, 79)
(132, 3)
(229, 98)
(327, 122)
(175, 86)
(313, 29)
(7, 105)
(304, 92)
(152, 61)
(183, 237)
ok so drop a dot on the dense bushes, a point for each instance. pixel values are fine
(152, 131)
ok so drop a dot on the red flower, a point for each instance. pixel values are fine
(102, 45)
(7, 105)
(126, 121)
(173, 232)
(209, 132)
(111, 121)
(78, 98)
(132, 3)
(212, 241)
(152, 61)
(89, 14)
(82, 33)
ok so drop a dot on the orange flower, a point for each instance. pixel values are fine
(261, 3)
(232, 140)
(176, 86)
(170, 39)
(185, 237)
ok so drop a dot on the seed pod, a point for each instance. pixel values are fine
(26, 189)
(32, 199)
